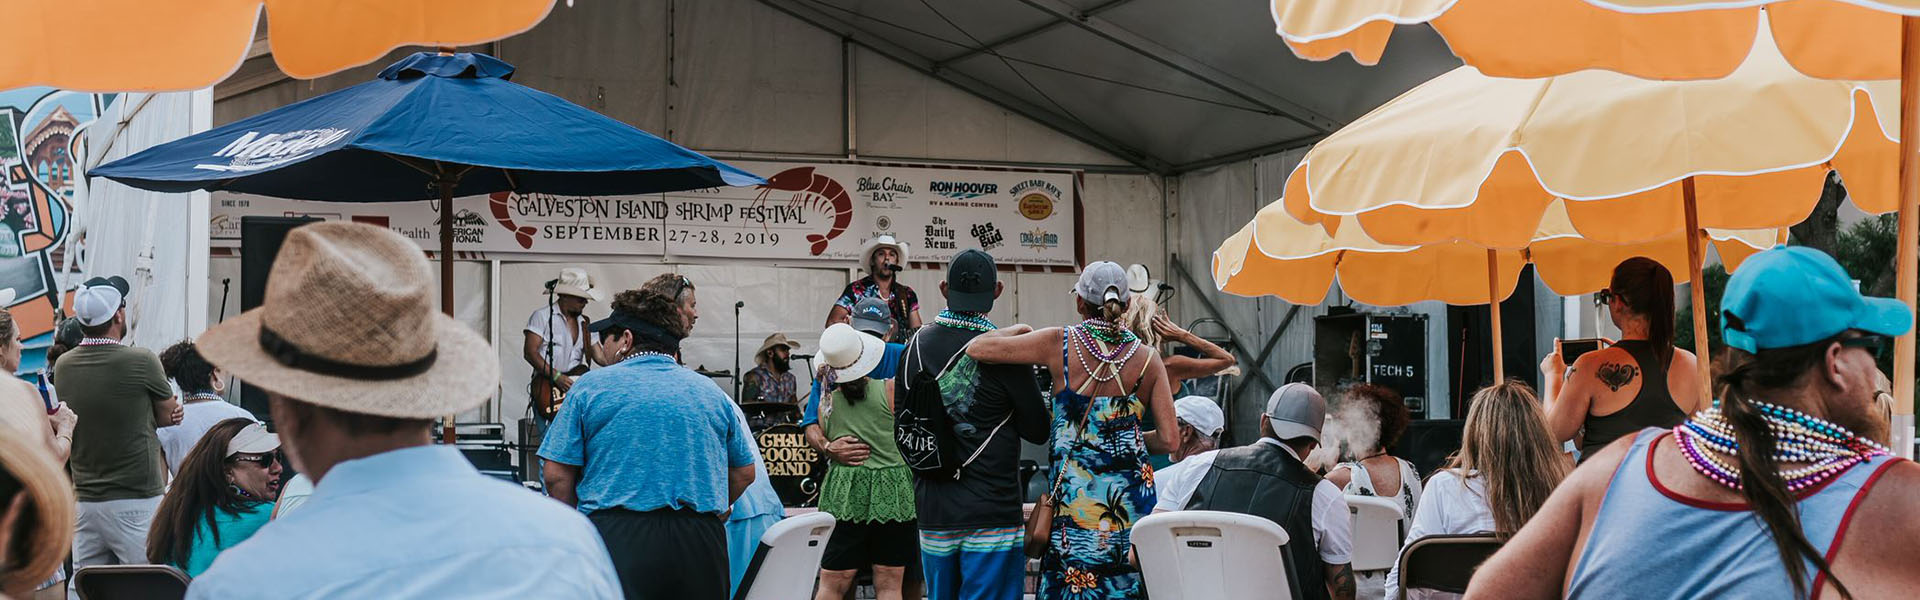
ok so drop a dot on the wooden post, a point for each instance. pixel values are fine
(1909, 236)
(1493, 308)
(1695, 237)
(447, 434)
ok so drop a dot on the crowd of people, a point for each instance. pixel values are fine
(1753, 495)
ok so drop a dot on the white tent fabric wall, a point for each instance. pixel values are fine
(157, 241)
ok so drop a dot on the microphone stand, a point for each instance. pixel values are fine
(226, 287)
(737, 375)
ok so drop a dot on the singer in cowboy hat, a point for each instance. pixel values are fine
(883, 258)
(555, 344)
(357, 361)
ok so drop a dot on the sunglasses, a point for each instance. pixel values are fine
(1602, 297)
(683, 284)
(263, 460)
(1871, 343)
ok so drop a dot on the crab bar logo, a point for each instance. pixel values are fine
(255, 152)
(963, 190)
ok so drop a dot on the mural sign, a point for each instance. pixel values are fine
(805, 213)
(40, 149)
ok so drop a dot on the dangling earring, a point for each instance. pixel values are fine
(237, 491)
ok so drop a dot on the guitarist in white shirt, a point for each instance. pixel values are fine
(556, 341)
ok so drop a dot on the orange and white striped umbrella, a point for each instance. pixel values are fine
(1475, 158)
(168, 45)
(1277, 255)
(1653, 39)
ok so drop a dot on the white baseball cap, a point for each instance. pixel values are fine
(98, 299)
(253, 439)
(1201, 413)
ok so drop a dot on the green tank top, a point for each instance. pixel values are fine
(870, 420)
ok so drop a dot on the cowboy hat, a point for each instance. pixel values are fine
(350, 323)
(851, 354)
(575, 282)
(775, 340)
(50, 511)
(878, 242)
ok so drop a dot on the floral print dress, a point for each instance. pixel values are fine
(1105, 484)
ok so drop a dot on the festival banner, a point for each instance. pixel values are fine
(805, 212)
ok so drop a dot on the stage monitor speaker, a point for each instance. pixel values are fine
(260, 239)
(1428, 443)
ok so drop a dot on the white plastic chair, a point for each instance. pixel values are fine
(784, 566)
(1377, 530)
(1211, 555)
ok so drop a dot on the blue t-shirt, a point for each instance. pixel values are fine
(649, 434)
(233, 530)
(889, 365)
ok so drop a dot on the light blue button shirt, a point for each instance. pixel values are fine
(760, 499)
(416, 523)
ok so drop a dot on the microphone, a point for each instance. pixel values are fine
(740, 304)
(552, 282)
(800, 356)
(895, 268)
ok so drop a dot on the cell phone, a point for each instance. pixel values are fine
(1570, 350)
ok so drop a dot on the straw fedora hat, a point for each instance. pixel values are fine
(46, 486)
(350, 323)
(575, 282)
(773, 341)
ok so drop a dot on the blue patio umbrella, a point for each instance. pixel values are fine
(432, 126)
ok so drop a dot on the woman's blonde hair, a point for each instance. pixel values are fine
(1507, 446)
(44, 532)
(1138, 318)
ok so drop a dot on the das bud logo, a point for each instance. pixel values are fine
(1036, 198)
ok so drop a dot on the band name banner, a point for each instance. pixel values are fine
(806, 212)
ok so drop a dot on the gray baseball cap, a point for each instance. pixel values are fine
(1103, 281)
(871, 314)
(1296, 410)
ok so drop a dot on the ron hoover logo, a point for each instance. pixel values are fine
(254, 151)
(962, 190)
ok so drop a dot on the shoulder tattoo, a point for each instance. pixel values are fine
(1617, 375)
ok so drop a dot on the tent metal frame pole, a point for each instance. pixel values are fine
(1908, 239)
(1697, 287)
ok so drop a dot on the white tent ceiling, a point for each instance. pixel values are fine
(1168, 85)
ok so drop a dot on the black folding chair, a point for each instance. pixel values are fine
(1444, 562)
(130, 582)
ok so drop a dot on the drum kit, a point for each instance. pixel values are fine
(794, 467)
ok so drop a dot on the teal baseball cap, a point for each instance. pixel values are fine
(1793, 295)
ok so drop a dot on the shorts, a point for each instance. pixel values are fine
(858, 545)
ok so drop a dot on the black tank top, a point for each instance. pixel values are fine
(1652, 407)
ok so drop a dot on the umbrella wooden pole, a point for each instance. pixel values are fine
(1493, 308)
(1698, 287)
(1909, 236)
(447, 434)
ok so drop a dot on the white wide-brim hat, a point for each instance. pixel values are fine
(350, 322)
(851, 354)
(878, 242)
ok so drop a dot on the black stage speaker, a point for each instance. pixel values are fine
(1428, 443)
(1384, 349)
(260, 239)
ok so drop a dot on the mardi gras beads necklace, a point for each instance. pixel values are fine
(964, 321)
(1826, 450)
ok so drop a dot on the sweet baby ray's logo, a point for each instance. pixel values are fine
(1036, 198)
